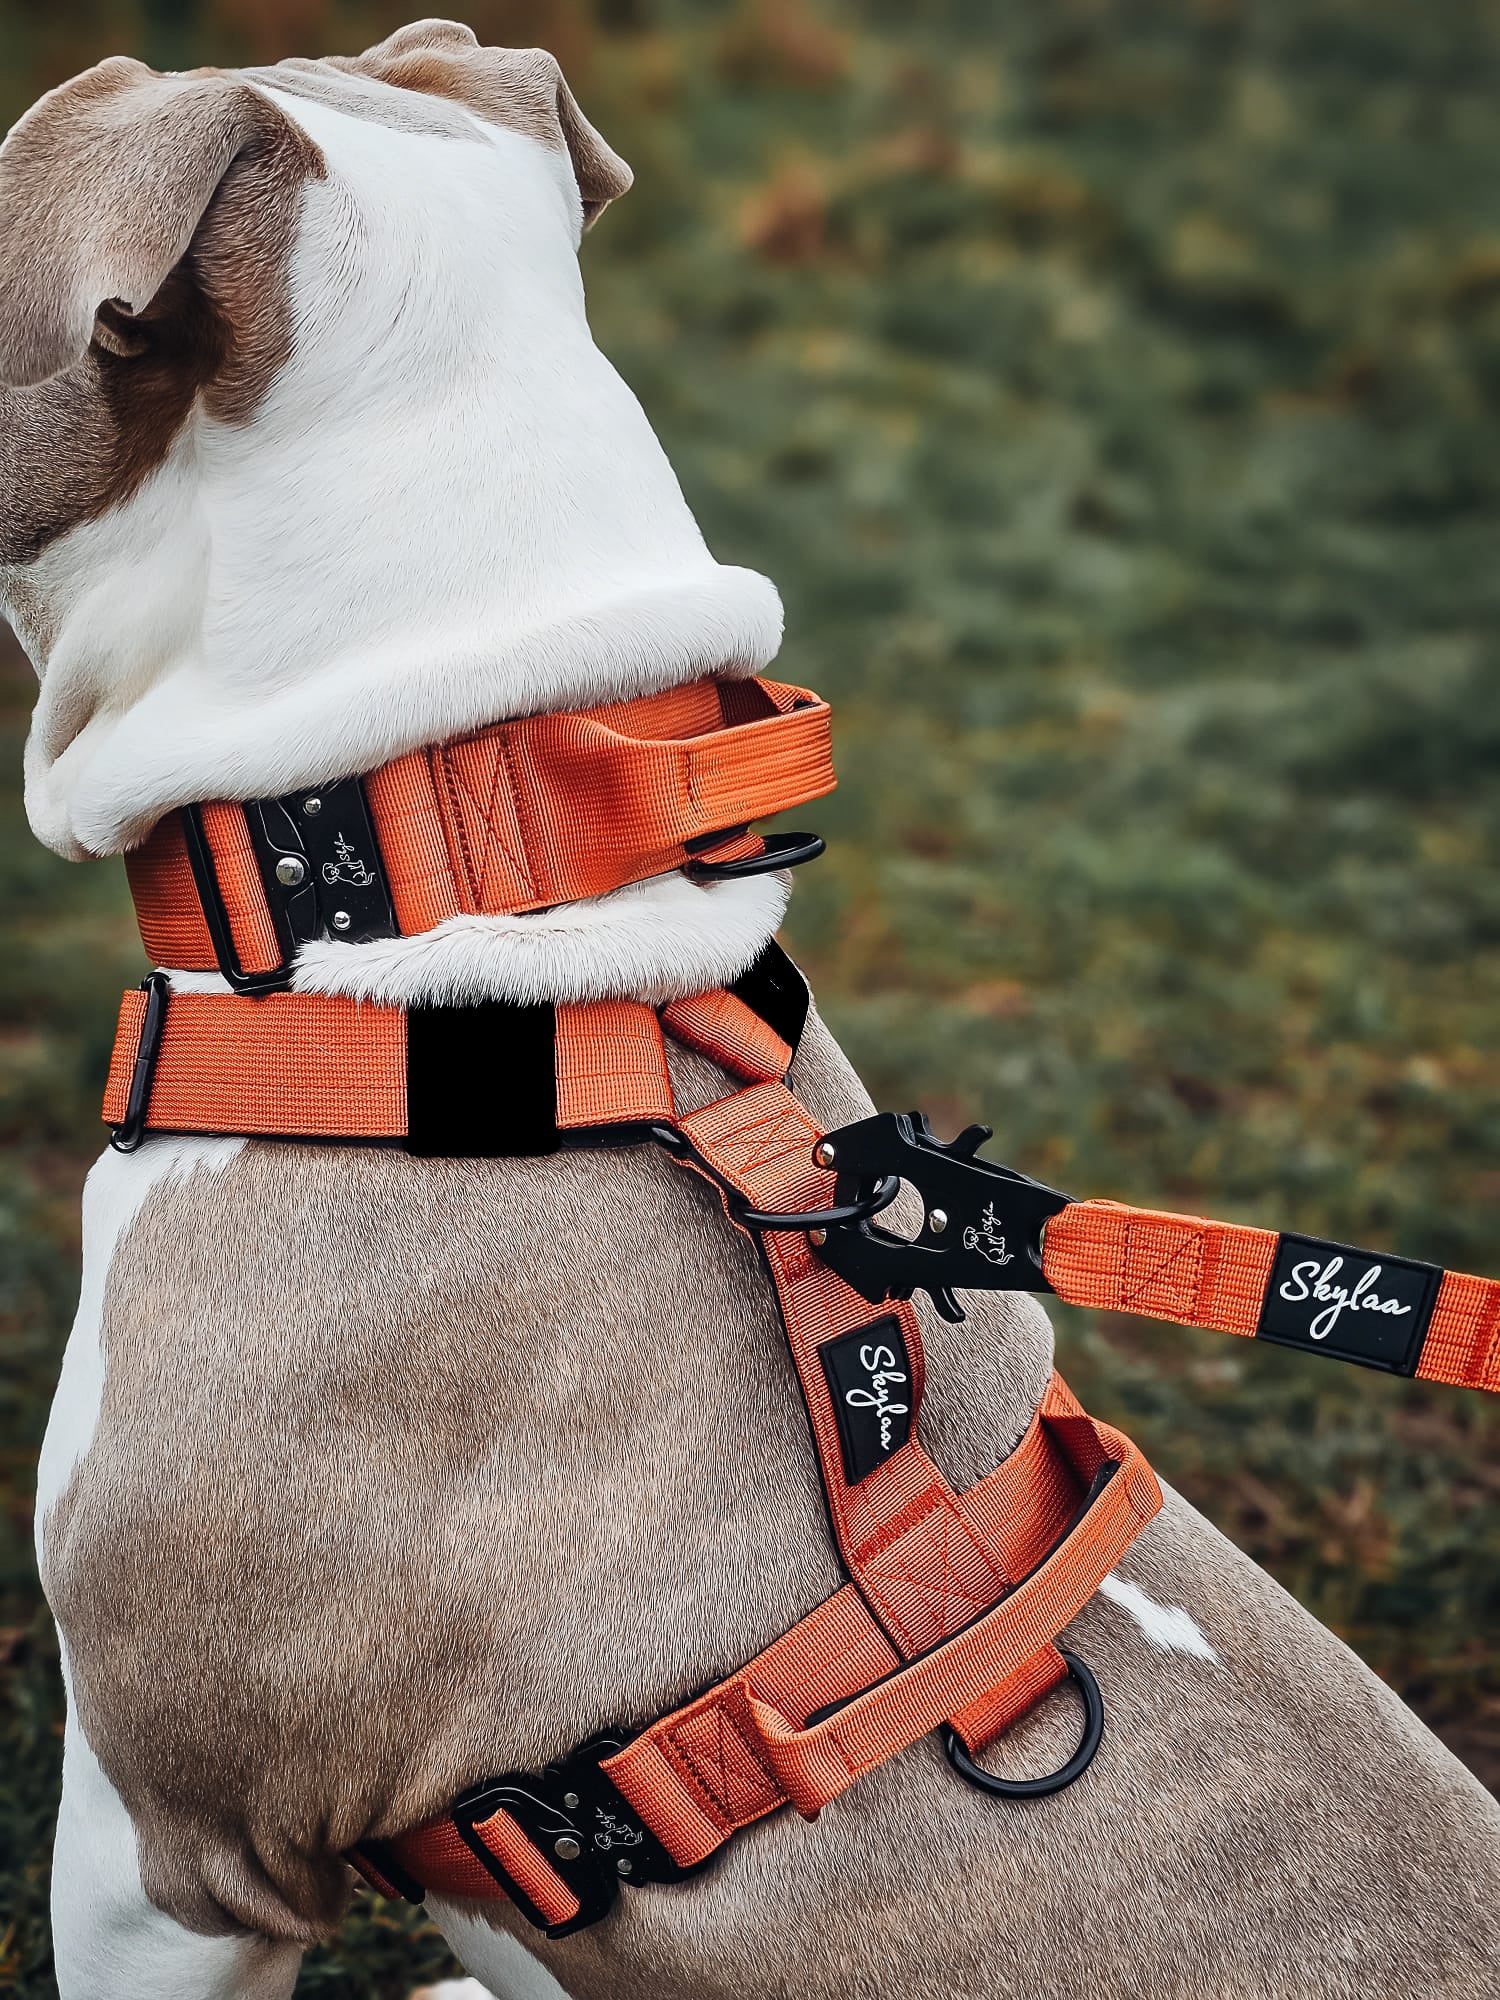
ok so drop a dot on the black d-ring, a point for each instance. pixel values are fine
(881, 1196)
(1054, 1781)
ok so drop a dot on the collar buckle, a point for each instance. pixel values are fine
(321, 871)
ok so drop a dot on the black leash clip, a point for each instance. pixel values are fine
(981, 1223)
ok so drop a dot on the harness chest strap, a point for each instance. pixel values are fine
(762, 1739)
(305, 1065)
(518, 817)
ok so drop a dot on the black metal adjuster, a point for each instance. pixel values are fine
(320, 868)
(580, 1824)
(981, 1223)
(130, 1131)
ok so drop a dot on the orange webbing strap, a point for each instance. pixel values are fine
(526, 814)
(749, 1746)
(921, 1565)
(1383, 1311)
(317, 1066)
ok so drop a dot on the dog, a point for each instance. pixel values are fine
(369, 1475)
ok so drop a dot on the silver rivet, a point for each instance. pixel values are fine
(342, 920)
(571, 1801)
(291, 871)
(824, 1154)
(566, 1848)
(312, 807)
(937, 1220)
(817, 1238)
(623, 1867)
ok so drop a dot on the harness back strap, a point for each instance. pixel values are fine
(518, 817)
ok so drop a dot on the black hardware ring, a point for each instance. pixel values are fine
(885, 1192)
(1038, 1788)
(783, 850)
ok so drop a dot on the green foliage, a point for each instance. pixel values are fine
(1114, 390)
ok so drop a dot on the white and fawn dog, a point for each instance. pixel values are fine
(370, 1476)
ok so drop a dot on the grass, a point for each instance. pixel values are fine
(1115, 394)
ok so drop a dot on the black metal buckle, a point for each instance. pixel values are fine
(581, 1825)
(783, 850)
(981, 1223)
(321, 870)
(130, 1131)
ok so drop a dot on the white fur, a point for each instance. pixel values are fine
(649, 942)
(117, 1185)
(1165, 1625)
(499, 1960)
(447, 509)
(453, 1989)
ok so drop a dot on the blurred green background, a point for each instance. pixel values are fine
(1113, 389)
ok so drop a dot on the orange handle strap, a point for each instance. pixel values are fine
(814, 1764)
(699, 1774)
(1357, 1305)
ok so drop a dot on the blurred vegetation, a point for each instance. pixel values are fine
(1114, 391)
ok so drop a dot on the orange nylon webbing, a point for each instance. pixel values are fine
(1214, 1274)
(927, 1632)
(526, 814)
(700, 1774)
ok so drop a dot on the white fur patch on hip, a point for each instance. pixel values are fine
(1165, 1625)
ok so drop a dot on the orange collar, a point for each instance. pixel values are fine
(521, 816)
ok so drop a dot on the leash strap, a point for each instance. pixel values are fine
(1327, 1298)
(987, 1227)
(518, 817)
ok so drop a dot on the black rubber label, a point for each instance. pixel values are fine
(869, 1379)
(1349, 1303)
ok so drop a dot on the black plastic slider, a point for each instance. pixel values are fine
(130, 1131)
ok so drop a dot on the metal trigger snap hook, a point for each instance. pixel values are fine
(1082, 1675)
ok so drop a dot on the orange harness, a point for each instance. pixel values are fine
(955, 1601)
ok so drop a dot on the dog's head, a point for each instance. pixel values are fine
(169, 242)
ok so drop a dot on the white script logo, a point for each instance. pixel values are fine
(348, 867)
(986, 1239)
(612, 1832)
(881, 1362)
(1308, 1281)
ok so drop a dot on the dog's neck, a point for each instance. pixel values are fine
(384, 558)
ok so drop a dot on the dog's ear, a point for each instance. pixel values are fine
(522, 88)
(103, 185)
